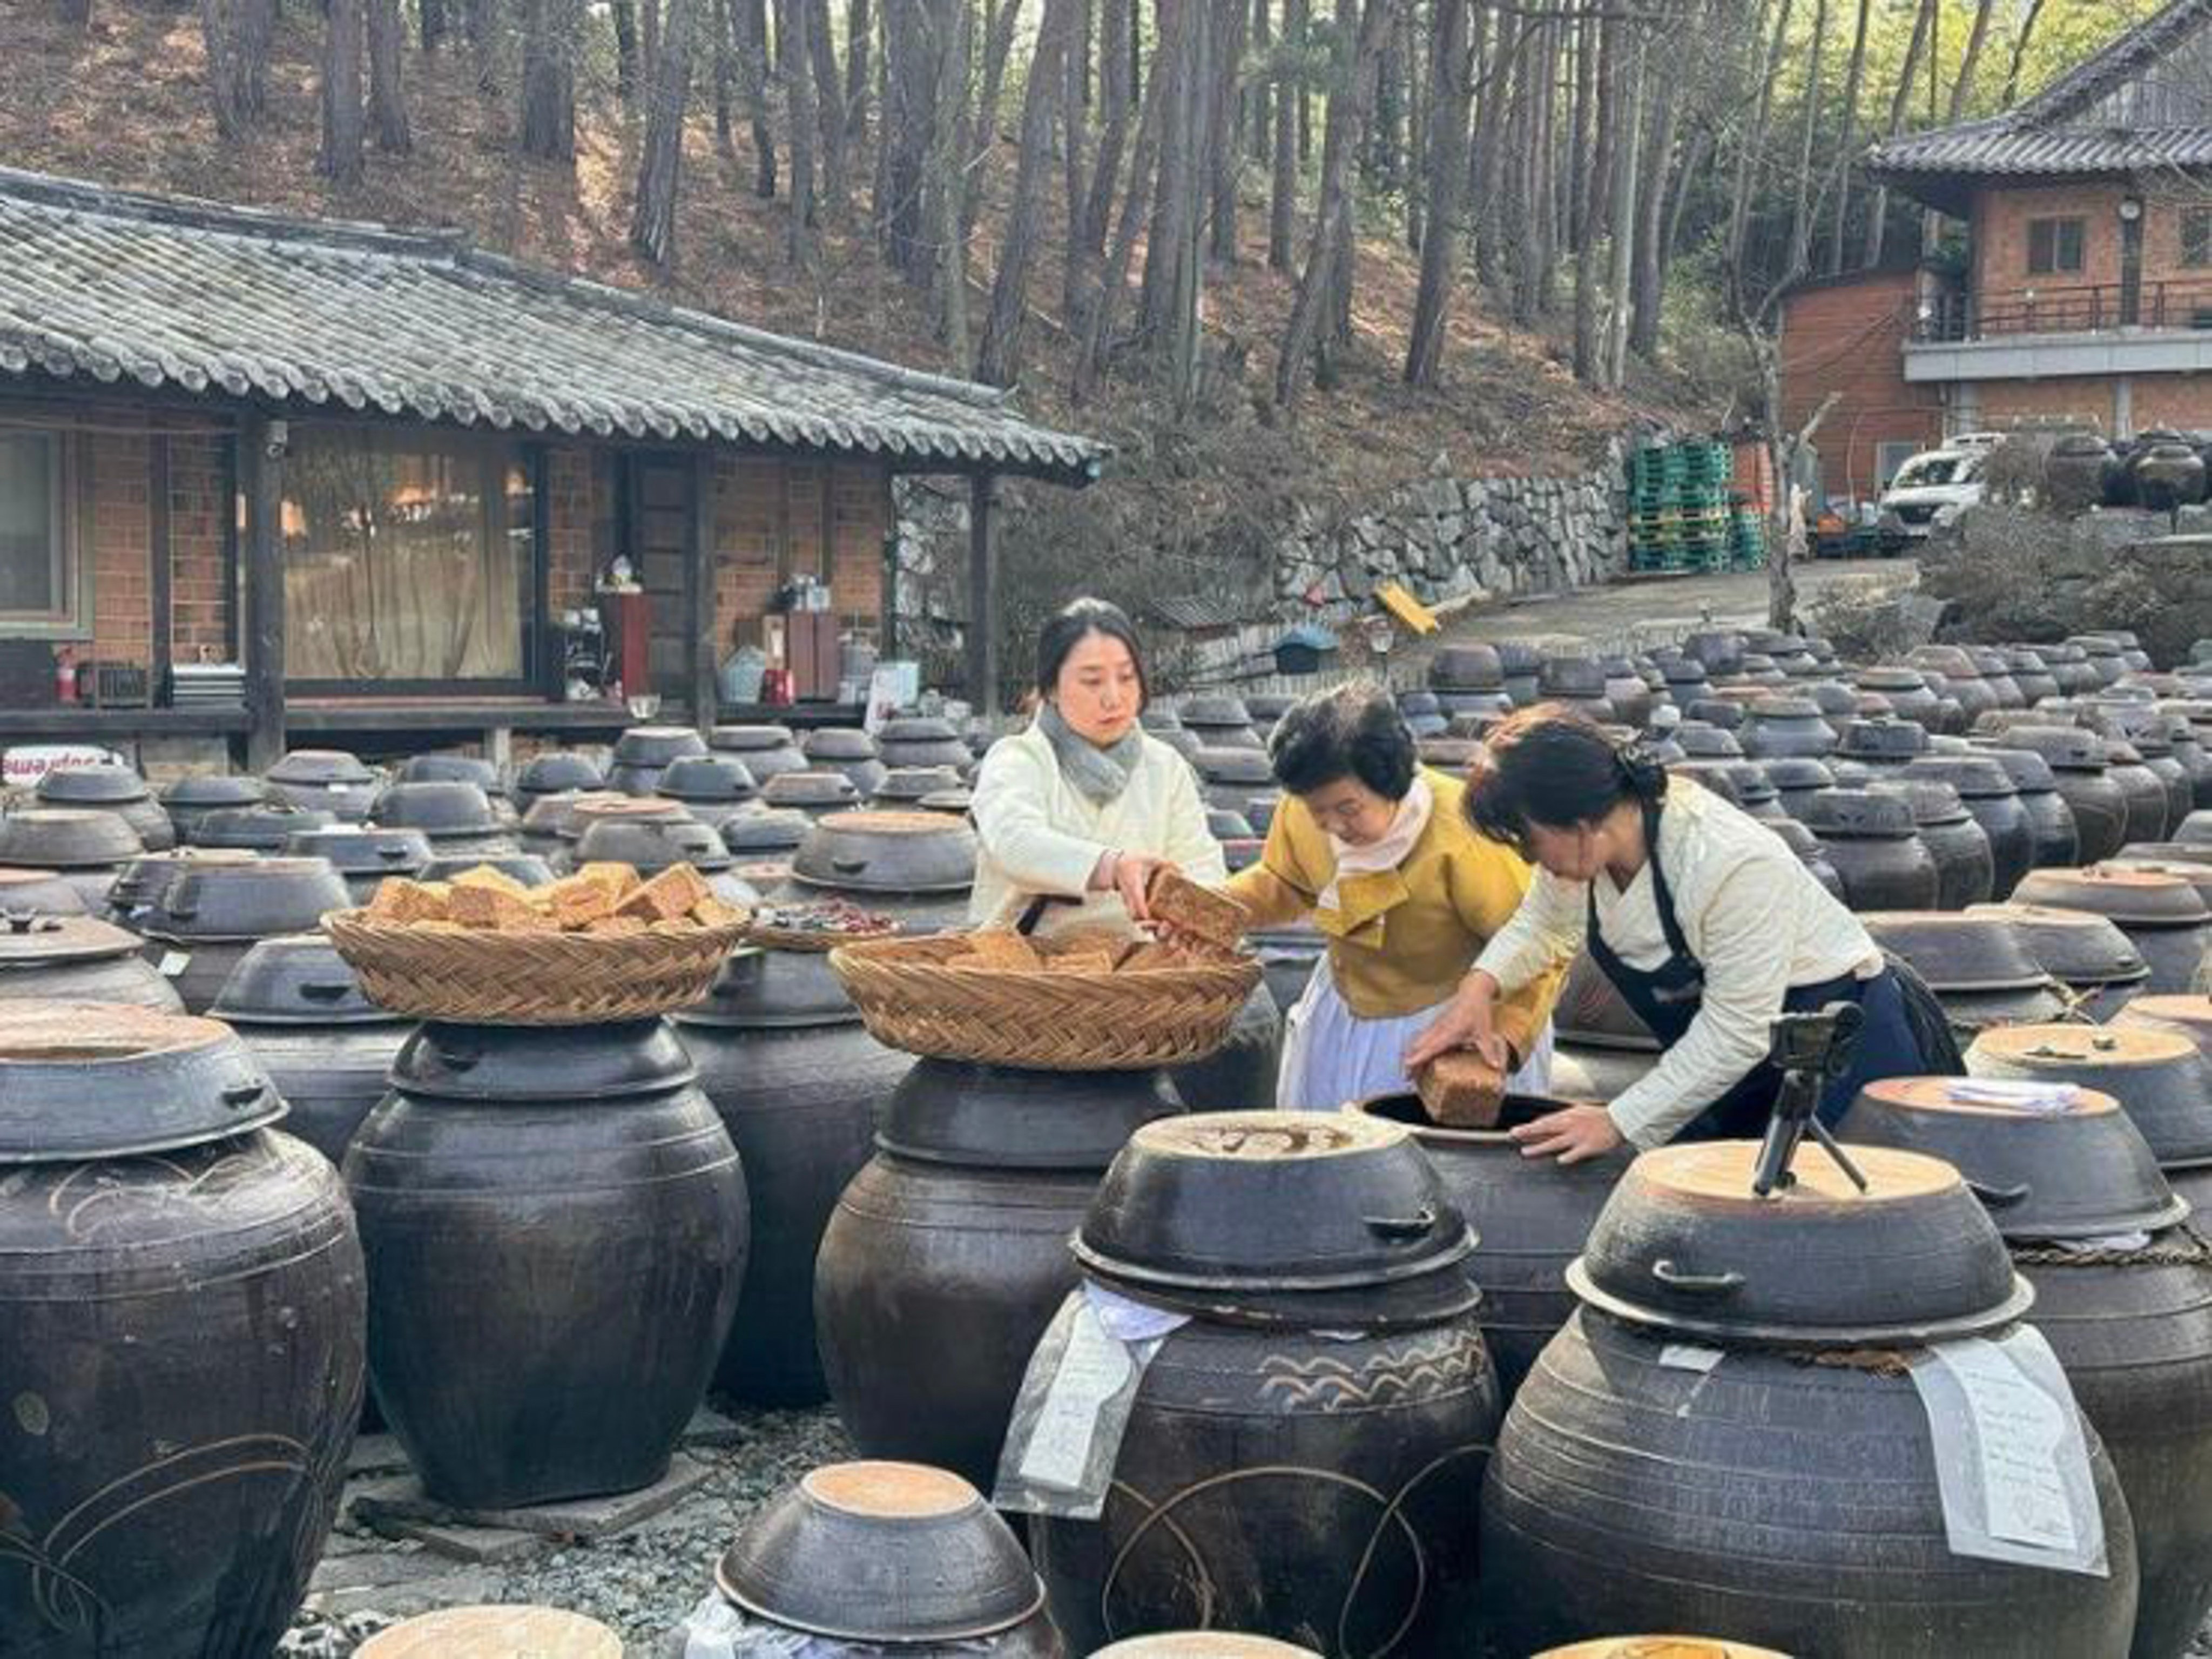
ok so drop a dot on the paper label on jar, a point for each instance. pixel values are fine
(173, 962)
(1689, 1356)
(1065, 1431)
(2012, 1462)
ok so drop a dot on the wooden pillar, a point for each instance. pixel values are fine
(982, 596)
(699, 548)
(162, 602)
(261, 444)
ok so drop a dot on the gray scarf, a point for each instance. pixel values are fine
(1099, 775)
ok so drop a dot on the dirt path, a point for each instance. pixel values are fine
(1636, 615)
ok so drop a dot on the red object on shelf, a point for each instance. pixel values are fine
(628, 619)
(776, 688)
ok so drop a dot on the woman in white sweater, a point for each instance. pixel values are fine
(1085, 804)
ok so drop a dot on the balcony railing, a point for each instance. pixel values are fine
(2092, 307)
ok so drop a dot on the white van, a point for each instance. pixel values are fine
(1928, 492)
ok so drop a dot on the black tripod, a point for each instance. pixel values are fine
(1811, 1051)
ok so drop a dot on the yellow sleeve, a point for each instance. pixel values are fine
(1276, 891)
(1488, 884)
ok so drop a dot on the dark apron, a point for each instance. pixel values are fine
(1904, 1034)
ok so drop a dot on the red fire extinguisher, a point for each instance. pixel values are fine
(65, 674)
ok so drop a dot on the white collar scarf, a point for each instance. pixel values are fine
(1387, 853)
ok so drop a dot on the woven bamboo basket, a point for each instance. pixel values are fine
(485, 978)
(911, 999)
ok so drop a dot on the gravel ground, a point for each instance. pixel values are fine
(639, 1585)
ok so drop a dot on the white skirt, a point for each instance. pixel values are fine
(1331, 1055)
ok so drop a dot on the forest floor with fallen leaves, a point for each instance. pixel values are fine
(126, 103)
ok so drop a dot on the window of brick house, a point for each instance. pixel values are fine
(409, 558)
(2054, 247)
(2196, 236)
(42, 580)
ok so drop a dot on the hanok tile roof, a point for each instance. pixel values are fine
(111, 286)
(2047, 137)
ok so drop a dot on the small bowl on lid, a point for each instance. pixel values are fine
(1685, 1245)
(2084, 1171)
(881, 1551)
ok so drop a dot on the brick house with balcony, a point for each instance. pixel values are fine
(371, 468)
(2086, 299)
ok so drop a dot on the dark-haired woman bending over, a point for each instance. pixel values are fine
(1376, 848)
(1702, 919)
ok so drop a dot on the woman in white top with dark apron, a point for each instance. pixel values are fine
(1707, 925)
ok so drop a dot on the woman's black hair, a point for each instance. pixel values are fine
(1076, 623)
(1354, 731)
(1554, 768)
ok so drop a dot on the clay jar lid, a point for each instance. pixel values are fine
(2131, 897)
(2082, 1172)
(2029, 772)
(810, 788)
(2197, 873)
(262, 827)
(1932, 803)
(708, 778)
(452, 768)
(66, 838)
(43, 892)
(362, 852)
(1262, 1208)
(1799, 773)
(437, 809)
(2074, 946)
(1884, 740)
(1237, 766)
(2155, 1069)
(839, 743)
(548, 775)
(214, 789)
(1702, 740)
(652, 845)
(1958, 952)
(1858, 814)
(1889, 679)
(1974, 777)
(35, 941)
(320, 766)
(891, 852)
(2067, 748)
(88, 1081)
(508, 1630)
(1214, 711)
(656, 746)
(912, 783)
(742, 740)
(297, 979)
(576, 820)
(1685, 1245)
(92, 786)
(209, 900)
(881, 1551)
(764, 832)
